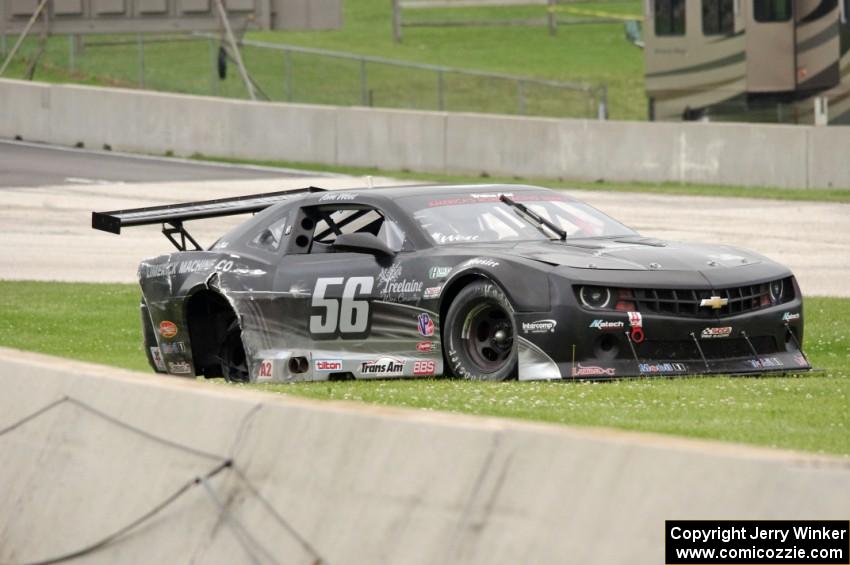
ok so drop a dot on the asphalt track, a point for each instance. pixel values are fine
(47, 196)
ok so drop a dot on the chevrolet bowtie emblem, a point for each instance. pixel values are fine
(715, 302)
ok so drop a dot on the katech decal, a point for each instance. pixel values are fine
(328, 365)
(591, 371)
(539, 327)
(663, 368)
(181, 368)
(790, 316)
(167, 329)
(709, 333)
(426, 346)
(265, 370)
(607, 325)
(439, 272)
(426, 325)
(383, 367)
(424, 367)
(157, 359)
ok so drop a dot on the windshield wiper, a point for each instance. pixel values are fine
(530, 214)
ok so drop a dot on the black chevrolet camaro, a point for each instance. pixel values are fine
(480, 281)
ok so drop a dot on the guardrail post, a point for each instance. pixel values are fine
(213, 68)
(441, 101)
(364, 87)
(602, 108)
(141, 42)
(552, 16)
(520, 90)
(72, 54)
(287, 75)
(397, 36)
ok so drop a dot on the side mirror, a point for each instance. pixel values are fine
(362, 243)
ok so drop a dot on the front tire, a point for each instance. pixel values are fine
(480, 341)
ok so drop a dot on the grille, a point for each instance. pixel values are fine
(686, 302)
(686, 350)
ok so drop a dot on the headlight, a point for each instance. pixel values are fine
(777, 290)
(595, 297)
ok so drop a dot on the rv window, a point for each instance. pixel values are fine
(669, 17)
(772, 10)
(718, 17)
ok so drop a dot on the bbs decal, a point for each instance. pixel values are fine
(348, 316)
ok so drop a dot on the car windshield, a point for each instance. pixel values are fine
(482, 218)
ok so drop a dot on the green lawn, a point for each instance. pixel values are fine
(99, 322)
(595, 53)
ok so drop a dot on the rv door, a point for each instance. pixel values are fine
(771, 54)
(818, 44)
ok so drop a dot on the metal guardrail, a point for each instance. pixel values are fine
(595, 92)
(292, 73)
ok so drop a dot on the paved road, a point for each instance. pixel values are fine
(45, 231)
(30, 164)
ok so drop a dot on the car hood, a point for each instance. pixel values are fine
(637, 254)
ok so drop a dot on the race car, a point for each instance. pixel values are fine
(487, 282)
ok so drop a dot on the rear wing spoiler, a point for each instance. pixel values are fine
(172, 216)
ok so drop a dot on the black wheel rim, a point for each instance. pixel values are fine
(488, 336)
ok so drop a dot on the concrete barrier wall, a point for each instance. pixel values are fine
(343, 483)
(132, 120)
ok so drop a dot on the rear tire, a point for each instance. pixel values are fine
(234, 363)
(479, 334)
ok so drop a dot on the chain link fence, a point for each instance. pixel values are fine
(197, 64)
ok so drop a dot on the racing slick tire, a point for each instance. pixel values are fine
(480, 334)
(234, 363)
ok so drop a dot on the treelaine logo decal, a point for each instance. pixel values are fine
(328, 365)
(539, 326)
(426, 346)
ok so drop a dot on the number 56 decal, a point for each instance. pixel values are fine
(346, 317)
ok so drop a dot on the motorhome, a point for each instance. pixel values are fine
(783, 61)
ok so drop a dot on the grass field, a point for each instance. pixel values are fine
(805, 194)
(596, 53)
(99, 323)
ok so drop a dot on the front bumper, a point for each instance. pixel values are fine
(595, 345)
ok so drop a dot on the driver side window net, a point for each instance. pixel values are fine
(333, 223)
